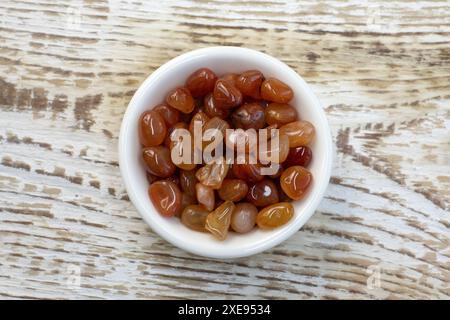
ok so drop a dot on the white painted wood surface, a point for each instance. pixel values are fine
(68, 70)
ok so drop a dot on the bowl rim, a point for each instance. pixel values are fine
(272, 241)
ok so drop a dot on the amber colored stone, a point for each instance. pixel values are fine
(205, 196)
(201, 117)
(178, 125)
(295, 182)
(248, 172)
(158, 161)
(275, 215)
(249, 116)
(181, 99)
(263, 193)
(188, 181)
(212, 109)
(166, 197)
(300, 133)
(243, 218)
(249, 83)
(169, 114)
(280, 113)
(218, 221)
(299, 156)
(213, 174)
(194, 217)
(201, 82)
(233, 190)
(226, 94)
(152, 129)
(275, 90)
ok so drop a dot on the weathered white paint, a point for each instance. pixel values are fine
(382, 71)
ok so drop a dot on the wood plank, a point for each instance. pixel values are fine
(381, 70)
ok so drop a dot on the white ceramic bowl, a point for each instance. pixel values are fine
(221, 60)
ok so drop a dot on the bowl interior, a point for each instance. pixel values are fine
(221, 60)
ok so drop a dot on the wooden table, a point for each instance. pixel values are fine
(68, 71)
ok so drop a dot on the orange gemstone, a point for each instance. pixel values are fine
(249, 116)
(277, 91)
(218, 221)
(249, 83)
(233, 190)
(295, 182)
(244, 217)
(181, 99)
(212, 109)
(158, 161)
(213, 174)
(226, 94)
(152, 129)
(166, 197)
(280, 114)
(205, 196)
(201, 82)
(169, 114)
(194, 217)
(263, 193)
(275, 215)
(300, 133)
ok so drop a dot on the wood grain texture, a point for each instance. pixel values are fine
(68, 71)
